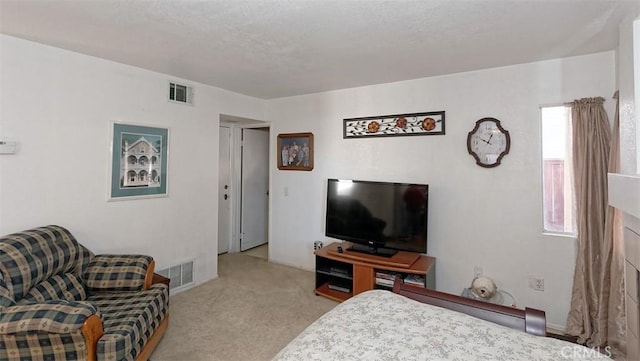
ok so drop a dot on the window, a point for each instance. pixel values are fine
(557, 170)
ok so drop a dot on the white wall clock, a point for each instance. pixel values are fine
(488, 142)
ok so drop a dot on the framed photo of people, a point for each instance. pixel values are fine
(295, 151)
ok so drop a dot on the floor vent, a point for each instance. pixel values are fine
(181, 275)
(180, 93)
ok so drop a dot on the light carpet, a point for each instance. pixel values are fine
(249, 313)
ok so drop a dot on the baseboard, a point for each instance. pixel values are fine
(557, 329)
(179, 290)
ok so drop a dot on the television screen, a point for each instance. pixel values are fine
(378, 216)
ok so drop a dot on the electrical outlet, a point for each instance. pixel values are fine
(477, 271)
(536, 283)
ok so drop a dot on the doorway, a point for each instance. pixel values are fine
(254, 208)
(243, 196)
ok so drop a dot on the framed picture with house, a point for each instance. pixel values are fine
(138, 162)
(295, 151)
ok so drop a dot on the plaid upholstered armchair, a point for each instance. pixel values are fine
(58, 301)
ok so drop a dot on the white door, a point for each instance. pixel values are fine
(224, 191)
(255, 188)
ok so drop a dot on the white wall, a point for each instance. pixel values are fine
(628, 58)
(60, 107)
(636, 76)
(491, 218)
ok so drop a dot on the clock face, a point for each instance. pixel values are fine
(488, 142)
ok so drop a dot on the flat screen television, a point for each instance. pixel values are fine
(378, 217)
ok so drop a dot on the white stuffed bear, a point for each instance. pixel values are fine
(483, 287)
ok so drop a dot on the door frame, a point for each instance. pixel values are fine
(229, 190)
(236, 124)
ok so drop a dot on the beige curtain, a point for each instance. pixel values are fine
(597, 304)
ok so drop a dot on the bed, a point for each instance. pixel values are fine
(411, 323)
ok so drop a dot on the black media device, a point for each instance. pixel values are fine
(378, 218)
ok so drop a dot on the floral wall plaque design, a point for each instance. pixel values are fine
(430, 123)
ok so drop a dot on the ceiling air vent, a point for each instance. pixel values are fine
(180, 93)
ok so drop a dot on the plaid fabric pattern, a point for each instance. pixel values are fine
(30, 257)
(57, 316)
(43, 347)
(116, 273)
(59, 287)
(46, 279)
(129, 319)
(6, 299)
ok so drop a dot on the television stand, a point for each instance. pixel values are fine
(341, 275)
(382, 252)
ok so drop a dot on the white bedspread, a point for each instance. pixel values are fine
(380, 325)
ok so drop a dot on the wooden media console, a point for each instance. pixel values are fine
(340, 276)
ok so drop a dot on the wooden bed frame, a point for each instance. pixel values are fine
(529, 320)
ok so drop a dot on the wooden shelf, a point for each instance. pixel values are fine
(363, 268)
(325, 291)
(345, 276)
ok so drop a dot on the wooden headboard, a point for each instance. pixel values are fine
(529, 320)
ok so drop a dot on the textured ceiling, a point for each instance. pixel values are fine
(279, 48)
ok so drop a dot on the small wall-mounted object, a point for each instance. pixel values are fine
(180, 93)
(8, 147)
